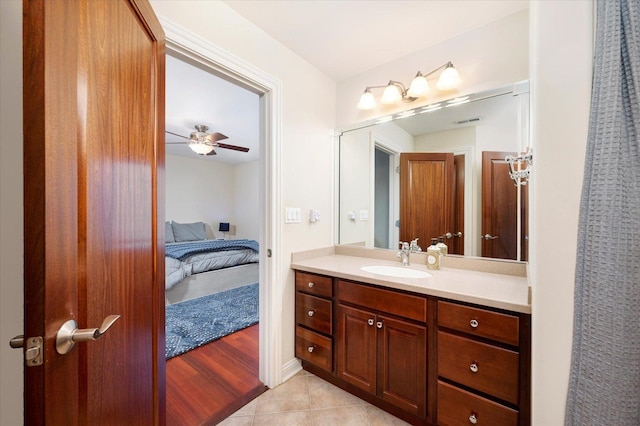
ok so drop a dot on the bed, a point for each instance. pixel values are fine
(190, 259)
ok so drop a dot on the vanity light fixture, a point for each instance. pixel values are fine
(395, 91)
(520, 167)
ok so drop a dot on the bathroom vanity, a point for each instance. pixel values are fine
(450, 349)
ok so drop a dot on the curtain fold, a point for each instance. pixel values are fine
(604, 386)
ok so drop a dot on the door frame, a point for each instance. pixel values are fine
(376, 141)
(185, 44)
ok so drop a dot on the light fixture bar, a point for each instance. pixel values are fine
(395, 91)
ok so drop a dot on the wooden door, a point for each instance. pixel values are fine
(356, 347)
(456, 241)
(426, 196)
(402, 367)
(499, 207)
(94, 207)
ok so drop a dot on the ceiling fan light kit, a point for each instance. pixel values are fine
(203, 143)
(395, 91)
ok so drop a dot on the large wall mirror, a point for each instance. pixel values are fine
(439, 170)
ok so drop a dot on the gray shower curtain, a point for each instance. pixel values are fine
(604, 387)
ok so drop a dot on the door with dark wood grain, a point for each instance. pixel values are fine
(426, 196)
(94, 209)
(499, 207)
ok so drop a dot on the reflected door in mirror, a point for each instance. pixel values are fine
(500, 208)
(426, 196)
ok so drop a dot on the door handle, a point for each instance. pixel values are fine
(488, 237)
(449, 235)
(69, 334)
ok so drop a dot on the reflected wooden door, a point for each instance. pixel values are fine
(94, 205)
(456, 241)
(499, 207)
(426, 196)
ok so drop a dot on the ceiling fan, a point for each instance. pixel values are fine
(202, 143)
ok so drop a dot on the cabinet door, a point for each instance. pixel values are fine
(402, 366)
(356, 347)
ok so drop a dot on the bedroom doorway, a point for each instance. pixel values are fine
(254, 181)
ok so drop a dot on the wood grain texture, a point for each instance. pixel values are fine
(94, 98)
(490, 324)
(207, 384)
(426, 196)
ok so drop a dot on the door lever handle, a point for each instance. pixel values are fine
(69, 334)
(488, 237)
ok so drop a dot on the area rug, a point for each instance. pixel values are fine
(195, 322)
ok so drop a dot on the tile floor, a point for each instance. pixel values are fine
(308, 400)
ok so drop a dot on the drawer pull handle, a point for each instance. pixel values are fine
(379, 324)
(473, 419)
(474, 367)
(311, 313)
(474, 323)
(311, 349)
(311, 285)
(370, 321)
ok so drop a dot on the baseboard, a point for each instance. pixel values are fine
(290, 369)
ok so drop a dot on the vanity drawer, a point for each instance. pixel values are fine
(314, 348)
(314, 312)
(457, 407)
(314, 284)
(392, 302)
(483, 367)
(479, 322)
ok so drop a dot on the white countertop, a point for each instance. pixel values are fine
(489, 289)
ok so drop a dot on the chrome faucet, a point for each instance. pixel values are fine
(404, 253)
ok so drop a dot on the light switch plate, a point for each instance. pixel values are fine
(292, 215)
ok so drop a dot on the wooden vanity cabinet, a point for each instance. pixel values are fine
(314, 319)
(483, 366)
(381, 344)
(424, 359)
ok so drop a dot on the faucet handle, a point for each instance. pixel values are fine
(403, 245)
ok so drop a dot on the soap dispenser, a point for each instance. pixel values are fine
(434, 255)
(442, 246)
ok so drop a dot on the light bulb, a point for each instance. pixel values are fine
(449, 78)
(391, 94)
(367, 101)
(419, 86)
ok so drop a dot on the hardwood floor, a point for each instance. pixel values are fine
(207, 384)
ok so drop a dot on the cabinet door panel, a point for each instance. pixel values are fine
(402, 355)
(356, 347)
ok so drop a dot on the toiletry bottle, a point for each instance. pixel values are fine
(434, 255)
(442, 246)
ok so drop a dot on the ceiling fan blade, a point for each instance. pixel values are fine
(218, 136)
(234, 147)
(175, 134)
(211, 153)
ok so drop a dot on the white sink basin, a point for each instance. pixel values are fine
(395, 271)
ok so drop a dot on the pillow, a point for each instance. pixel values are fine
(168, 233)
(188, 231)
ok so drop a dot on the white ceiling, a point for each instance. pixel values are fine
(341, 38)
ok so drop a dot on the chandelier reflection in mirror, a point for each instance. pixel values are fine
(395, 91)
(520, 167)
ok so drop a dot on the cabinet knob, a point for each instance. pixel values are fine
(311, 348)
(311, 285)
(311, 313)
(474, 367)
(474, 323)
(370, 321)
(473, 419)
(379, 324)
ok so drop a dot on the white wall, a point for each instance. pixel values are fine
(247, 201)
(11, 222)
(213, 192)
(492, 56)
(561, 67)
